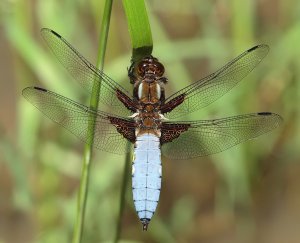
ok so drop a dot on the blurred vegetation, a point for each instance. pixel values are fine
(249, 193)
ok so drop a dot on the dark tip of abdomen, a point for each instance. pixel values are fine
(145, 223)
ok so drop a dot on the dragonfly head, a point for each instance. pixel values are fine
(150, 67)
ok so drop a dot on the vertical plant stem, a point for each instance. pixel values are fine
(85, 174)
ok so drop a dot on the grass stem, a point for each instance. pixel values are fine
(87, 157)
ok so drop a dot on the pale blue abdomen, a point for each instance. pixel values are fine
(146, 176)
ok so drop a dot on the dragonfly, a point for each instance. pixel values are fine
(145, 118)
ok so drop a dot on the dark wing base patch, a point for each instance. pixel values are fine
(126, 128)
(171, 131)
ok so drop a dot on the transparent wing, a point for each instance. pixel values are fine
(213, 136)
(205, 91)
(86, 73)
(76, 118)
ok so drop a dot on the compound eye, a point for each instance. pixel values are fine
(160, 70)
(142, 68)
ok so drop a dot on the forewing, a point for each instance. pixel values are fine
(76, 118)
(205, 91)
(213, 136)
(85, 73)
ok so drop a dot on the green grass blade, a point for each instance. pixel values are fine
(139, 28)
(85, 174)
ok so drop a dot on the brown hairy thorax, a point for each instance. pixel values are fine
(148, 92)
(148, 104)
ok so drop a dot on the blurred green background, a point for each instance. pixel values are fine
(249, 193)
